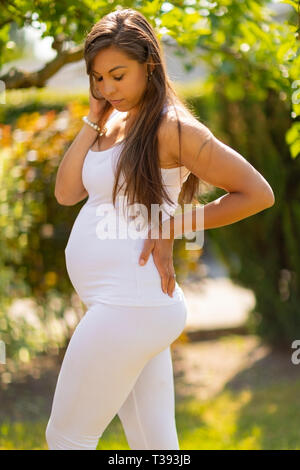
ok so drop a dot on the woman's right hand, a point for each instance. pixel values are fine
(97, 106)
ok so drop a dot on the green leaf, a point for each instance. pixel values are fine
(293, 3)
(295, 149)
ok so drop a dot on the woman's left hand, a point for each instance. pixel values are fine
(162, 252)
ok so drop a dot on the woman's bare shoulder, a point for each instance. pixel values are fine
(168, 131)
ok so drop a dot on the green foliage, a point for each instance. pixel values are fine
(72, 20)
(34, 226)
(256, 111)
(33, 147)
(246, 50)
(261, 252)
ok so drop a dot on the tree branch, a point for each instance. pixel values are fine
(5, 22)
(16, 78)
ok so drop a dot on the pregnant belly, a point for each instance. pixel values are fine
(92, 262)
(108, 269)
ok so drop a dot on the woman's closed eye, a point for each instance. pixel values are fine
(116, 78)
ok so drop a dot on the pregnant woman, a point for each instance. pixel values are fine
(129, 151)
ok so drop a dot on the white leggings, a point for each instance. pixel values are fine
(118, 361)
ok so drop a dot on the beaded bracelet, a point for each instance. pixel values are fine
(94, 126)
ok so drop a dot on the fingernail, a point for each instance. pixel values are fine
(142, 262)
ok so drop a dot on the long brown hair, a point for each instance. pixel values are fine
(128, 30)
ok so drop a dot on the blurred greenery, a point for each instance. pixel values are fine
(231, 35)
(34, 137)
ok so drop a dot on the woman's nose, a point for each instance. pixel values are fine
(109, 90)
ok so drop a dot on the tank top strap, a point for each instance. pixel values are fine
(165, 108)
(115, 111)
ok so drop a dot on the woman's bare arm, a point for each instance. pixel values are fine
(69, 188)
(213, 161)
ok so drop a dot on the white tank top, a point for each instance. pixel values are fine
(103, 267)
(173, 178)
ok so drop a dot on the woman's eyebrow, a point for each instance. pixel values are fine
(111, 70)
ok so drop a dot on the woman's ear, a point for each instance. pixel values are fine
(152, 66)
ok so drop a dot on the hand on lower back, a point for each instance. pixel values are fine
(162, 252)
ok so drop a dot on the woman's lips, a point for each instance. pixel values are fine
(117, 101)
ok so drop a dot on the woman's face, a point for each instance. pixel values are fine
(127, 82)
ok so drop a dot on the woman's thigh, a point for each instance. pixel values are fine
(148, 414)
(108, 350)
